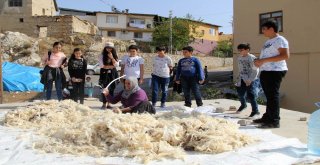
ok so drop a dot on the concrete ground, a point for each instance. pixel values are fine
(290, 126)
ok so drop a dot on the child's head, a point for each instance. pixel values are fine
(244, 49)
(269, 28)
(187, 51)
(133, 50)
(57, 47)
(88, 79)
(109, 46)
(161, 50)
(77, 54)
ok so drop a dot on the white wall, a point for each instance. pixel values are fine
(102, 21)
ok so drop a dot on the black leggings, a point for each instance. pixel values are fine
(78, 91)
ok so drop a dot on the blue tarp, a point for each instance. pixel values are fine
(20, 78)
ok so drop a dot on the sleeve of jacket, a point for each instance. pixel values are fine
(70, 68)
(199, 69)
(178, 72)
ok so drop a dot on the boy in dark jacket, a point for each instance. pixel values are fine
(190, 75)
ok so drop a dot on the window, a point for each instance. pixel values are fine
(277, 16)
(111, 33)
(15, 3)
(137, 34)
(112, 19)
(137, 21)
(202, 32)
(212, 32)
(21, 20)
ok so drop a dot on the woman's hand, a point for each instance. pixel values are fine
(141, 81)
(110, 55)
(105, 92)
(117, 110)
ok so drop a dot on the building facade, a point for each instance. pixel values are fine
(206, 40)
(38, 18)
(126, 26)
(300, 25)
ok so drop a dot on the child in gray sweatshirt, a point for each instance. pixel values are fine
(248, 83)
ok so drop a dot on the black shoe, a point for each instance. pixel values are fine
(187, 105)
(269, 125)
(241, 108)
(259, 120)
(254, 114)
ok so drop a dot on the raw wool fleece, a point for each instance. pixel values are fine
(68, 127)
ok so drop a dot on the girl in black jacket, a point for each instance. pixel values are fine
(108, 72)
(77, 68)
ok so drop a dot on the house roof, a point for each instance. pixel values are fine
(138, 14)
(76, 10)
(200, 22)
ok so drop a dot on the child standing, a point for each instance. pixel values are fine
(77, 68)
(53, 72)
(132, 65)
(190, 75)
(248, 81)
(108, 72)
(161, 76)
(88, 86)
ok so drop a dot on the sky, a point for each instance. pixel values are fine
(218, 12)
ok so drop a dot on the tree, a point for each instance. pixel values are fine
(223, 49)
(182, 34)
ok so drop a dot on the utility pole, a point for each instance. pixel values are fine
(170, 38)
(1, 83)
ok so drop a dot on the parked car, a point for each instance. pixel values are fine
(95, 69)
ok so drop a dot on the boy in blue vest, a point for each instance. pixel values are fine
(190, 75)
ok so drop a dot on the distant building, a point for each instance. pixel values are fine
(207, 41)
(118, 25)
(299, 23)
(126, 26)
(37, 18)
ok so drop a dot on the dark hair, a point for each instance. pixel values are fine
(134, 47)
(75, 50)
(161, 48)
(57, 43)
(271, 24)
(105, 56)
(245, 46)
(188, 48)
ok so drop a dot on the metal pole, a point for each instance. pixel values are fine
(1, 83)
(170, 38)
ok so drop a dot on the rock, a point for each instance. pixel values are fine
(232, 108)
(220, 110)
(20, 48)
(243, 122)
(303, 119)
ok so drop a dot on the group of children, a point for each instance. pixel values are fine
(188, 73)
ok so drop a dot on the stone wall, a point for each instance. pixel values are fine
(57, 26)
(82, 26)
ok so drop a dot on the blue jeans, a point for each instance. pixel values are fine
(250, 91)
(188, 84)
(163, 83)
(58, 84)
